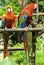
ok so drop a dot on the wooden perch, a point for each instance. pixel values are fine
(12, 49)
(22, 29)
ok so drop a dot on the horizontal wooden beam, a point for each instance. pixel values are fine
(15, 29)
(38, 14)
(13, 49)
(36, 29)
(22, 29)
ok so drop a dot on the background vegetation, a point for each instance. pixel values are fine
(20, 56)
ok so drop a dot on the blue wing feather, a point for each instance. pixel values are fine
(3, 23)
(22, 25)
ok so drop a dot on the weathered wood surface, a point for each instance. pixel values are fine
(13, 49)
(22, 29)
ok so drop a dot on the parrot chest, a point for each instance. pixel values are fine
(9, 22)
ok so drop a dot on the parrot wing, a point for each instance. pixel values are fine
(23, 21)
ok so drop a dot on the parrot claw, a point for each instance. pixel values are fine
(5, 27)
(27, 27)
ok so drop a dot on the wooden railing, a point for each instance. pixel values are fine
(34, 14)
(33, 30)
(22, 29)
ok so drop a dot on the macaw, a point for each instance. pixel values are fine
(26, 14)
(9, 18)
(27, 11)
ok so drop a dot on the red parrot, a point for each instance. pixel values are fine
(27, 14)
(10, 18)
(9, 22)
(28, 11)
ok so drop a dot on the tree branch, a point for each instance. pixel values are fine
(20, 2)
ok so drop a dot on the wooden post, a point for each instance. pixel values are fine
(26, 46)
(30, 47)
(5, 37)
(33, 48)
(25, 42)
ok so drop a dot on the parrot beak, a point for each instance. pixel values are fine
(8, 10)
(35, 6)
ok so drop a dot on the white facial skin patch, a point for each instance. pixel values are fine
(9, 10)
(35, 6)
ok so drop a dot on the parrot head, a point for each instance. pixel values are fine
(9, 9)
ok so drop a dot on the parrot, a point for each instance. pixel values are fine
(25, 16)
(9, 20)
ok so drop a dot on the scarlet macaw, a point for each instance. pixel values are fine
(26, 13)
(9, 19)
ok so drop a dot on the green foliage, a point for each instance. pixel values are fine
(39, 41)
(41, 6)
(13, 4)
(2, 11)
(19, 57)
(7, 61)
(16, 10)
(0, 23)
(39, 58)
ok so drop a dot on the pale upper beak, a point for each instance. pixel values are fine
(35, 6)
(9, 10)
